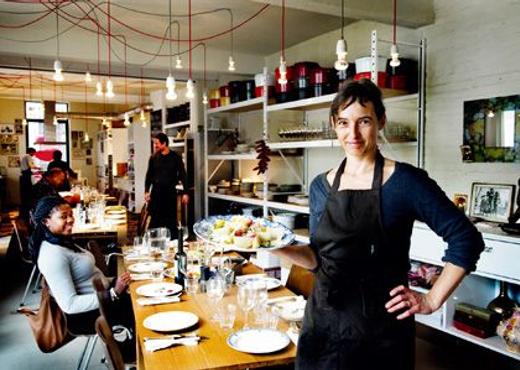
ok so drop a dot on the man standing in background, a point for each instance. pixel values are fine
(26, 167)
(165, 170)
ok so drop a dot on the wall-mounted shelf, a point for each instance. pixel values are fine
(240, 107)
(231, 157)
(177, 124)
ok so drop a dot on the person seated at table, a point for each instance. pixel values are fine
(50, 183)
(69, 269)
(57, 162)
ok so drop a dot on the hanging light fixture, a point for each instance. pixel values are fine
(283, 64)
(190, 93)
(341, 63)
(127, 120)
(142, 117)
(394, 52)
(178, 60)
(88, 76)
(55, 120)
(58, 68)
(231, 61)
(110, 89)
(99, 88)
(170, 80)
(86, 138)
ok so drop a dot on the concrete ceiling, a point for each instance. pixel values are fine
(256, 36)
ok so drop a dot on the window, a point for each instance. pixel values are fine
(46, 138)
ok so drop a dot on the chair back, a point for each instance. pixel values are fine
(101, 291)
(144, 220)
(21, 232)
(300, 281)
(113, 354)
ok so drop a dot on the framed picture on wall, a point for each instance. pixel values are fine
(13, 161)
(492, 202)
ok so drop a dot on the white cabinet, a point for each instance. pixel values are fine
(499, 261)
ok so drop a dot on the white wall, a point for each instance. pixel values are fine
(472, 52)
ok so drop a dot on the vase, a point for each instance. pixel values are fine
(502, 304)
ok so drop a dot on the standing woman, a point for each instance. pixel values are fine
(360, 314)
(69, 269)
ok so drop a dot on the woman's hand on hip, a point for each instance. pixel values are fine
(408, 302)
(122, 282)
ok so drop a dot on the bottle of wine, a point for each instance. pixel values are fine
(503, 305)
(181, 258)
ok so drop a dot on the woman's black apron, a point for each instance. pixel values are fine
(346, 325)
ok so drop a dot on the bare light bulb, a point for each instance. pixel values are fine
(55, 121)
(88, 77)
(104, 122)
(99, 88)
(86, 138)
(110, 89)
(190, 94)
(341, 51)
(24, 122)
(142, 117)
(283, 72)
(205, 99)
(127, 120)
(231, 65)
(178, 62)
(58, 68)
(170, 86)
(394, 54)
(491, 114)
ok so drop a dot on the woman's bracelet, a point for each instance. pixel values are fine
(113, 295)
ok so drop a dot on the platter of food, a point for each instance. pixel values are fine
(243, 233)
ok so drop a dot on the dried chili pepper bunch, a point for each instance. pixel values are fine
(263, 156)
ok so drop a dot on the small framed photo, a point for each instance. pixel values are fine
(492, 202)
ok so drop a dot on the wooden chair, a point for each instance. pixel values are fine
(144, 220)
(114, 359)
(300, 281)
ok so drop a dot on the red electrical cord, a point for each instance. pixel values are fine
(395, 22)
(189, 12)
(283, 31)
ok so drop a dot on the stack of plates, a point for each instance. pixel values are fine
(115, 214)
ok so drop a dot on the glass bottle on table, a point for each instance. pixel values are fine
(181, 258)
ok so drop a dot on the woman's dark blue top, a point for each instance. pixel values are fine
(409, 195)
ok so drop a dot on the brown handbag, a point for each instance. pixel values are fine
(48, 323)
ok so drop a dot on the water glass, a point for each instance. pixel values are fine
(246, 299)
(229, 313)
(157, 274)
(158, 239)
(192, 284)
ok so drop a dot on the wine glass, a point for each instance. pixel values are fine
(246, 299)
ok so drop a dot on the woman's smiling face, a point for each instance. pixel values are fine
(60, 220)
(356, 127)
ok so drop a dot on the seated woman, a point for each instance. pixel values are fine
(69, 269)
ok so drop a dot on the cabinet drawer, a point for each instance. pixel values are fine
(500, 259)
(426, 246)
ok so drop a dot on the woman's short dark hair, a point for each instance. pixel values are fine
(30, 150)
(57, 154)
(161, 136)
(362, 91)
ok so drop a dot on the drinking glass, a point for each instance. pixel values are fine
(215, 288)
(157, 273)
(246, 299)
(228, 316)
(158, 239)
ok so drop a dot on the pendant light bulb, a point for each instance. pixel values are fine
(231, 64)
(283, 72)
(55, 121)
(110, 89)
(178, 62)
(104, 122)
(58, 68)
(205, 99)
(170, 86)
(88, 77)
(127, 120)
(86, 138)
(99, 88)
(142, 117)
(341, 51)
(394, 54)
(24, 122)
(190, 94)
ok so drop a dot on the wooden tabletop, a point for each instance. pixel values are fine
(210, 353)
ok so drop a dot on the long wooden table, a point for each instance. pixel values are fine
(210, 353)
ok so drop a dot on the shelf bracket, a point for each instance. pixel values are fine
(291, 168)
(215, 170)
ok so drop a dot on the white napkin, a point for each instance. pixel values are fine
(137, 277)
(155, 344)
(158, 300)
(293, 336)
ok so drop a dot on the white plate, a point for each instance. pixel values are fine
(141, 267)
(158, 289)
(170, 321)
(258, 341)
(271, 283)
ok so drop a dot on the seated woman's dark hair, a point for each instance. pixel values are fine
(362, 91)
(41, 212)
